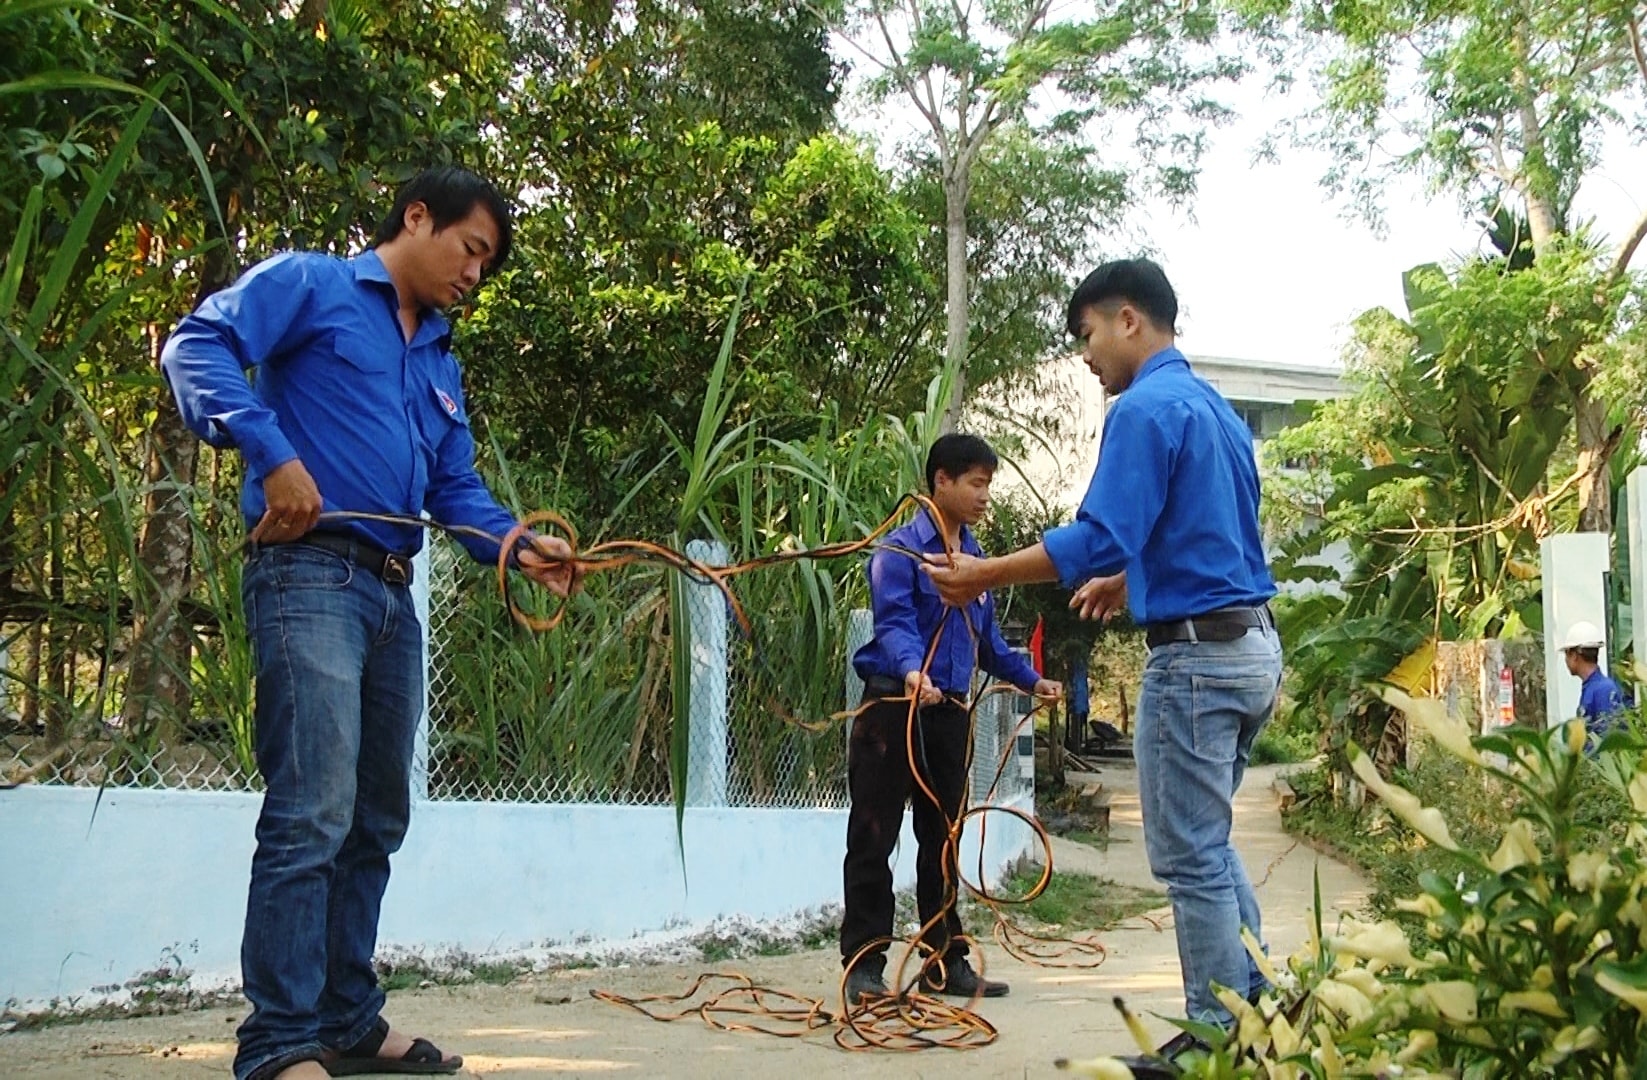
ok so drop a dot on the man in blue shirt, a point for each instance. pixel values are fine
(1169, 528)
(357, 406)
(923, 653)
(1599, 701)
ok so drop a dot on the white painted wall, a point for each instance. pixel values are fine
(92, 902)
(1574, 591)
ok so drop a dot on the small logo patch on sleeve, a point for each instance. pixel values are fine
(446, 402)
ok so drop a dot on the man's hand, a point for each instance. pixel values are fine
(919, 686)
(1048, 690)
(1101, 598)
(960, 578)
(293, 502)
(555, 568)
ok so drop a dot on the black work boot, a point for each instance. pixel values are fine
(954, 977)
(865, 984)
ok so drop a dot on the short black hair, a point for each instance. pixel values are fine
(1139, 282)
(956, 455)
(451, 193)
(1588, 653)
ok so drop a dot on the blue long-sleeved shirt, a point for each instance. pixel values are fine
(1174, 501)
(908, 611)
(377, 421)
(1599, 701)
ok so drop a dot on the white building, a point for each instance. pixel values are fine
(1264, 394)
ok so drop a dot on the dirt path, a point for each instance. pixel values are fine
(548, 1026)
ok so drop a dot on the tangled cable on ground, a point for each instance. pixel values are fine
(908, 1019)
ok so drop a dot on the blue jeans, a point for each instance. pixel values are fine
(339, 658)
(1201, 706)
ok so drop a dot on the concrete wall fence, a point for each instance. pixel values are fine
(96, 892)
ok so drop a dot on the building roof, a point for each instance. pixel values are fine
(1257, 380)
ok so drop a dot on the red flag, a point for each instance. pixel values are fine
(1036, 639)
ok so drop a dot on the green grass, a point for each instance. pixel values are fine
(1286, 740)
(1099, 840)
(1077, 901)
(411, 973)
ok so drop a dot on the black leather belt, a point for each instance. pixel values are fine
(1226, 624)
(392, 569)
(882, 687)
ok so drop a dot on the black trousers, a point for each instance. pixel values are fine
(880, 782)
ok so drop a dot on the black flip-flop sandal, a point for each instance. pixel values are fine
(423, 1059)
(271, 1069)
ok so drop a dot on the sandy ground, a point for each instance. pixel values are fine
(547, 1025)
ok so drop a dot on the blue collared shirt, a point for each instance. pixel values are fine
(1174, 501)
(908, 611)
(1599, 701)
(379, 422)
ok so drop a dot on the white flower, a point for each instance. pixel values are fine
(1539, 1001)
(1283, 1036)
(1262, 960)
(1424, 820)
(1453, 1000)
(1638, 790)
(1344, 999)
(1383, 943)
(1419, 1043)
(1589, 870)
(1431, 715)
(1622, 990)
(1423, 904)
(1518, 848)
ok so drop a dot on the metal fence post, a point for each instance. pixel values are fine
(706, 769)
(421, 569)
(860, 627)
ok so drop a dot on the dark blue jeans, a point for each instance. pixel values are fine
(339, 658)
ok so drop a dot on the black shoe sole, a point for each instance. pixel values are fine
(968, 996)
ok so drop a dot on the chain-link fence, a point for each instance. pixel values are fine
(585, 714)
(588, 713)
(68, 728)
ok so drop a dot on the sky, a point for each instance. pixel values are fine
(1267, 264)
(1272, 268)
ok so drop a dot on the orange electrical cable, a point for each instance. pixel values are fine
(907, 1019)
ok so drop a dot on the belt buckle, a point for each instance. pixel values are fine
(396, 570)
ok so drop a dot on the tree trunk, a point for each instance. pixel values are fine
(28, 715)
(157, 686)
(1544, 222)
(1595, 496)
(311, 12)
(955, 310)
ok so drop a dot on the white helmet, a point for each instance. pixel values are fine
(1583, 635)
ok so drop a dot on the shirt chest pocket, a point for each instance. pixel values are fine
(440, 414)
(445, 406)
(366, 355)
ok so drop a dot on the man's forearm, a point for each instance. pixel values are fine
(1026, 566)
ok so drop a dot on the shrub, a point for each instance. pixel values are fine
(1532, 958)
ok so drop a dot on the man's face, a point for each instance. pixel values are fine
(1110, 336)
(1571, 656)
(964, 498)
(447, 263)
